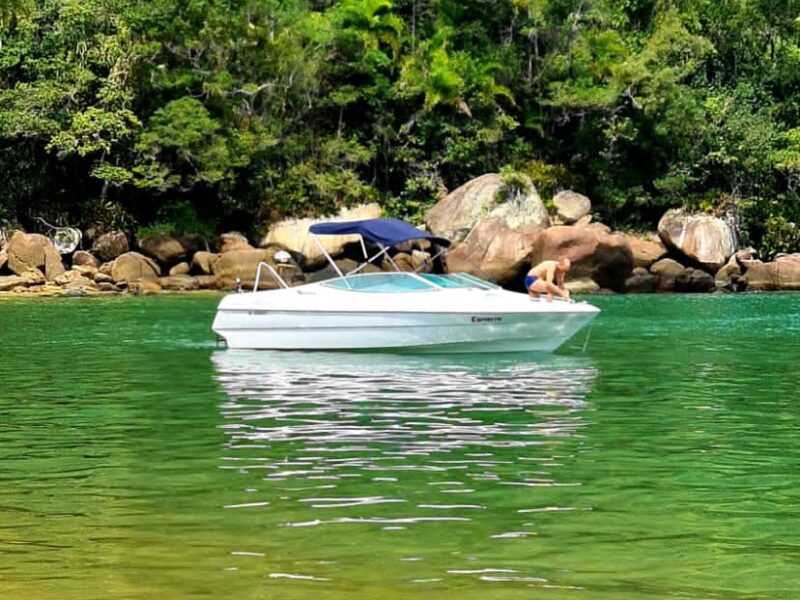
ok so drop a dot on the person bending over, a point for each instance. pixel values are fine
(548, 278)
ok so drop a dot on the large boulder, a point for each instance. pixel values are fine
(110, 245)
(694, 281)
(641, 282)
(76, 281)
(83, 258)
(292, 235)
(203, 261)
(232, 241)
(26, 251)
(667, 267)
(29, 277)
(667, 271)
(33, 251)
(705, 239)
(494, 235)
(595, 252)
(646, 249)
(571, 206)
(781, 274)
(132, 266)
(242, 265)
(166, 249)
(53, 266)
(495, 251)
(456, 216)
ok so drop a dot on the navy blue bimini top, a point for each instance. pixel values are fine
(386, 232)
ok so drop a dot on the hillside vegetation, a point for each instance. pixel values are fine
(196, 116)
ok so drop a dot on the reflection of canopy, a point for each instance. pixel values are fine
(386, 232)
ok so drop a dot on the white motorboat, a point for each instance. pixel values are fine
(400, 311)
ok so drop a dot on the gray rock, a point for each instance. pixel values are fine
(457, 214)
(495, 233)
(571, 206)
(33, 251)
(705, 239)
(241, 265)
(132, 266)
(641, 283)
(694, 281)
(203, 261)
(233, 241)
(110, 245)
(83, 258)
(781, 274)
(667, 270)
(292, 236)
(646, 250)
(166, 249)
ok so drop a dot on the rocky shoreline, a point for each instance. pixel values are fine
(497, 234)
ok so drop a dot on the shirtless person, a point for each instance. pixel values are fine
(548, 278)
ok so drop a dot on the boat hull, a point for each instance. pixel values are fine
(418, 332)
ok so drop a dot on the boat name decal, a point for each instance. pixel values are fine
(486, 319)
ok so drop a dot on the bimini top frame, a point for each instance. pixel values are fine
(385, 233)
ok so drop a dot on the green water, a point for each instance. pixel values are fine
(137, 460)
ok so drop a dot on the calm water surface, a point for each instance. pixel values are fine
(140, 461)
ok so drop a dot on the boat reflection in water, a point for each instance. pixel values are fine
(399, 404)
(356, 469)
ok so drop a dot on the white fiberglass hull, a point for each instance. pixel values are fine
(313, 317)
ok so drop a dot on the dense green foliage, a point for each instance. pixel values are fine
(206, 114)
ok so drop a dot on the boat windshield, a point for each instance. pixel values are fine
(381, 282)
(458, 280)
(405, 282)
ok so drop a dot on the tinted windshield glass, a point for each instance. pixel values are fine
(457, 280)
(381, 282)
